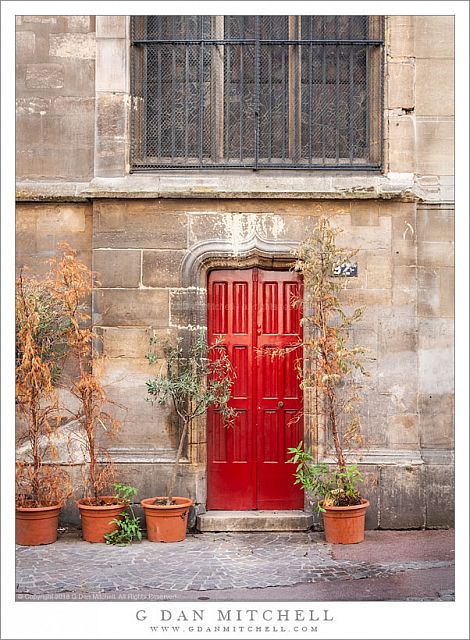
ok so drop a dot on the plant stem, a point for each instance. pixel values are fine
(34, 440)
(171, 484)
(334, 429)
(91, 446)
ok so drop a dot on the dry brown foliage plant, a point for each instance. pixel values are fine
(41, 328)
(73, 282)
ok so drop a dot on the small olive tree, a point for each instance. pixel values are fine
(196, 378)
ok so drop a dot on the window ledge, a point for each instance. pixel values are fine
(181, 185)
(50, 191)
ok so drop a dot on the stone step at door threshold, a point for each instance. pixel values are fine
(263, 520)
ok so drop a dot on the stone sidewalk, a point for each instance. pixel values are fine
(388, 565)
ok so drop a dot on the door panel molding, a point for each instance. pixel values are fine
(251, 310)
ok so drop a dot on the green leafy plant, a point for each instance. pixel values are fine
(332, 487)
(129, 526)
(332, 368)
(197, 377)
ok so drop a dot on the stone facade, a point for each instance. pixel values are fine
(153, 238)
(55, 89)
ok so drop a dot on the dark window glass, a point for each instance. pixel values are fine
(257, 91)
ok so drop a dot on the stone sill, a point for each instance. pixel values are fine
(226, 185)
(249, 521)
(46, 191)
(381, 456)
(141, 455)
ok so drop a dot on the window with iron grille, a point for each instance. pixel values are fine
(257, 92)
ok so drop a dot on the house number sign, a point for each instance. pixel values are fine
(348, 269)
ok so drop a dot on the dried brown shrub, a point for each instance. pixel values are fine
(72, 282)
(41, 328)
(45, 486)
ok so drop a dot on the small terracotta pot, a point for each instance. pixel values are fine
(166, 523)
(37, 525)
(345, 525)
(98, 519)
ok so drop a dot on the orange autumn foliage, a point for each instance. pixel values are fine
(41, 327)
(73, 282)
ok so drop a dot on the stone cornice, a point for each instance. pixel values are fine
(321, 186)
(47, 191)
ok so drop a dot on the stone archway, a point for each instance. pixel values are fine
(189, 305)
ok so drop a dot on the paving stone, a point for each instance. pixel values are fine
(200, 563)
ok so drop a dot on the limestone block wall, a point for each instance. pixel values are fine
(435, 316)
(41, 226)
(434, 55)
(419, 104)
(55, 90)
(141, 249)
(151, 238)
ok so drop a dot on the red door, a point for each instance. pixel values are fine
(247, 469)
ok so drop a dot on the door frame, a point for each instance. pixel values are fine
(259, 479)
(204, 257)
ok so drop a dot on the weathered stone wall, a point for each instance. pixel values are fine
(140, 248)
(420, 101)
(435, 313)
(55, 90)
(41, 226)
(152, 239)
(139, 251)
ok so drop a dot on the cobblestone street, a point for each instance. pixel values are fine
(216, 565)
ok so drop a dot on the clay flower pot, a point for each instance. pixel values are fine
(98, 519)
(166, 523)
(345, 525)
(37, 525)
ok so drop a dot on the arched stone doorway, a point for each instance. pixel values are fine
(204, 258)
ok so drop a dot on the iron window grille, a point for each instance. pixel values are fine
(271, 92)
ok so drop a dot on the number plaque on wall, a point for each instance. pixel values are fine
(348, 269)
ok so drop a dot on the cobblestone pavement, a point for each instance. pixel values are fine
(207, 562)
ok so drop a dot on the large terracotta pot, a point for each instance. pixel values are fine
(98, 519)
(345, 525)
(37, 525)
(166, 523)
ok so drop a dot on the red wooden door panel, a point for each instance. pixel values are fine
(231, 450)
(278, 394)
(246, 463)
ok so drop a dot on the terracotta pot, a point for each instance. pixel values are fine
(345, 525)
(166, 523)
(98, 520)
(37, 525)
